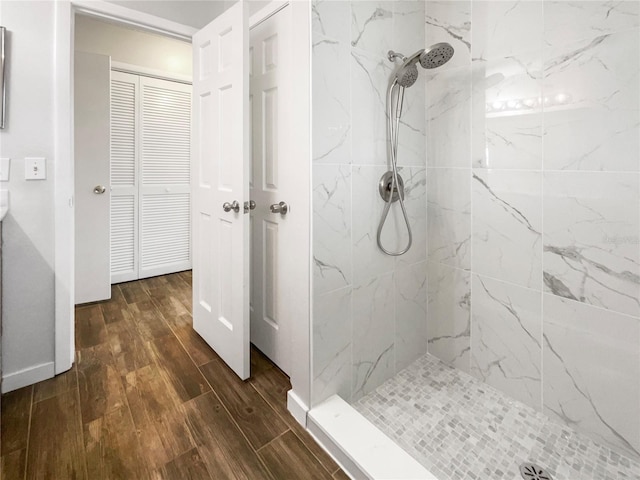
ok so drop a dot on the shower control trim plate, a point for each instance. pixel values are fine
(384, 187)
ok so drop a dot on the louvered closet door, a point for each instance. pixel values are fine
(124, 179)
(165, 177)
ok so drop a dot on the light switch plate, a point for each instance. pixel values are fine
(35, 168)
(5, 163)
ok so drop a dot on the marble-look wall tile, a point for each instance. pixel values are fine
(591, 236)
(595, 127)
(331, 101)
(372, 26)
(504, 28)
(592, 371)
(332, 227)
(507, 226)
(566, 22)
(450, 21)
(507, 112)
(449, 216)
(448, 314)
(408, 26)
(332, 325)
(415, 190)
(331, 19)
(448, 117)
(506, 339)
(368, 259)
(369, 81)
(411, 314)
(373, 334)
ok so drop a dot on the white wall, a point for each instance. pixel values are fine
(193, 13)
(28, 229)
(132, 46)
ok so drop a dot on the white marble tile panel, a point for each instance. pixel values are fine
(450, 21)
(332, 325)
(504, 28)
(507, 226)
(331, 19)
(372, 26)
(368, 259)
(506, 339)
(566, 22)
(592, 372)
(448, 117)
(449, 216)
(369, 80)
(601, 72)
(411, 314)
(448, 314)
(591, 238)
(331, 227)
(373, 334)
(408, 26)
(331, 63)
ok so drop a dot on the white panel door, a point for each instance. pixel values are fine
(164, 174)
(125, 100)
(220, 176)
(275, 256)
(91, 117)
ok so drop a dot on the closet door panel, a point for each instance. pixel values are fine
(165, 177)
(124, 178)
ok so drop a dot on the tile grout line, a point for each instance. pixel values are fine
(77, 391)
(273, 440)
(26, 450)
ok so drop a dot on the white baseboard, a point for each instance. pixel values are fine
(28, 376)
(363, 450)
(297, 408)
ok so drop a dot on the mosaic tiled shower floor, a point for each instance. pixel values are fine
(461, 428)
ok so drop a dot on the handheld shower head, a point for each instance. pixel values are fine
(407, 75)
(436, 55)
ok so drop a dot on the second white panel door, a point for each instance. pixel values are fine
(271, 182)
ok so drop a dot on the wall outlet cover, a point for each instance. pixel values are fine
(35, 168)
(5, 164)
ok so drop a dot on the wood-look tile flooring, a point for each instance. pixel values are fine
(148, 399)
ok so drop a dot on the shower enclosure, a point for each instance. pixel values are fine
(519, 299)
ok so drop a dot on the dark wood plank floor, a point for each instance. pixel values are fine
(148, 399)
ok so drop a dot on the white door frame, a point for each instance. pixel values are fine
(299, 399)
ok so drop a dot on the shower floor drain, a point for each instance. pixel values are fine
(531, 471)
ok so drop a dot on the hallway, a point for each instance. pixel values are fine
(148, 399)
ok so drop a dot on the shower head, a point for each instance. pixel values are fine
(407, 75)
(436, 55)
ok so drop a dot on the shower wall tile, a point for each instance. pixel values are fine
(368, 259)
(369, 80)
(448, 314)
(331, 19)
(372, 26)
(449, 216)
(332, 327)
(408, 27)
(591, 231)
(331, 101)
(507, 114)
(373, 334)
(448, 117)
(450, 21)
(411, 314)
(592, 371)
(505, 28)
(595, 127)
(506, 339)
(567, 22)
(415, 191)
(507, 226)
(332, 227)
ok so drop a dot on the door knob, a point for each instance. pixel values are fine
(281, 208)
(235, 206)
(99, 189)
(250, 205)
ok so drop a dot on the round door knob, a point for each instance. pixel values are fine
(99, 189)
(235, 206)
(281, 208)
